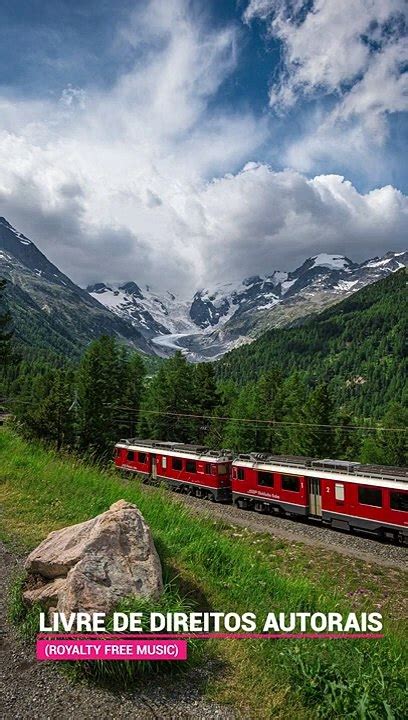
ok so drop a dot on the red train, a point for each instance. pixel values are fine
(345, 495)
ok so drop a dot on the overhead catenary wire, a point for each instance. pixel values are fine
(126, 421)
(142, 411)
(257, 423)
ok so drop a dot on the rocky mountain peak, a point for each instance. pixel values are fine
(63, 314)
(98, 287)
(213, 320)
(130, 288)
(333, 262)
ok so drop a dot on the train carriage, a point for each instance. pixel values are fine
(346, 495)
(195, 469)
(258, 484)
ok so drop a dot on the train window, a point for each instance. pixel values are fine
(370, 496)
(290, 482)
(339, 492)
(207, 468)
(240, 473)
(191, 466)
(164, 462)
(399, 501)
(265, 479)
(176, 463)
(131, 455)
(222, 469)
(142, 457)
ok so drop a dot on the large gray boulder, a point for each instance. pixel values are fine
(90, 567)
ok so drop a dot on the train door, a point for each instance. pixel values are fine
(315, 496)
(154, 467)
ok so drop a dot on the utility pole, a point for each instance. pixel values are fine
(74, 408)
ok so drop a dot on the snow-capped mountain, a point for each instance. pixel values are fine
(47, 308)
(52, 311)
(222, 317)
(155, 314)
(217, 305)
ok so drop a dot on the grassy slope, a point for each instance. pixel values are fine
(362, 336)
(231, 570)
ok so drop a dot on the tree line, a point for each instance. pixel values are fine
(77, 406)
(277, 413)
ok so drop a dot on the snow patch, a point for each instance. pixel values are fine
(110, 298)
(267, 306)
(334, 262)
(285, 286)
(378, 263)
(345, 285)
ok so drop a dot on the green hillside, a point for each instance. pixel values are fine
(358, 347)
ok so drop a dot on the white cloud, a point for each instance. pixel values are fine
(382, 89)
(353, 51)
(330, 43)
(262, 220)
(142, 181)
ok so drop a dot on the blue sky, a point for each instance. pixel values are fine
(46, 45)
(228, 137)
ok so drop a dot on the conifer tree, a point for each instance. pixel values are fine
(317, 437)
(393, 441)
(169, 401)
(216, 437)
(206, 399)
(371, 452)
(54, 419)
(347, 439)
(101, 390)
(154, 420)
(46, 410)
(97, 391)
(131, 378)
(241, 434)
(268, 409)
(293, 397)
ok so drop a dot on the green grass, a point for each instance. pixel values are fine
(222, 570)
(117, 674)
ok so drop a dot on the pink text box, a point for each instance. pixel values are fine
(114, 649)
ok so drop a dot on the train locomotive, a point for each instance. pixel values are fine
(345, 495)
(198, 470)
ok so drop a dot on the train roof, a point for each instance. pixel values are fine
(342, 467)
(177, 447)
(298, 462)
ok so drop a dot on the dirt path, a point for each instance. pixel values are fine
(30, 690)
